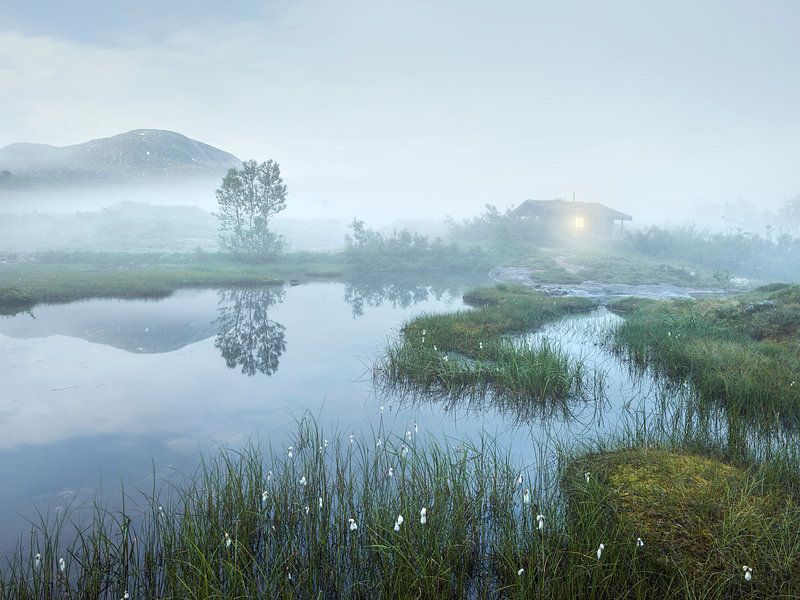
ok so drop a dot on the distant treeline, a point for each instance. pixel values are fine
(740, 253)
(403, 250)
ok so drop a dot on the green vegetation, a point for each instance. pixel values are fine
(65, 277)
(743, 253)
(316, 520)
(469, 354)
(367, 250)
(742, 353)
(682, 256)
(278, 524)
(247, 200)
(700, 520)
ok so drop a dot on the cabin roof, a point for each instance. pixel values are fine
(557, 207)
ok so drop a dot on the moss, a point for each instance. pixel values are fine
(701, 519)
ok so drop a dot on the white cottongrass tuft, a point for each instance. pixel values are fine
(416, 429)
(303, 480)
(639, 542)
(289, 451)
(352, 437)
(398, 522)
(378, 443)
(600, 549)
(320, 501)
(37, 561)
(353, 524)
(540, 521)
(391, 472)
(126, 595)
(264, 496)
(526, 496)
(748, 573)
(519, 479)
(521, 572)
(62, 565)
(587, 476)
(423, 516)
(228, 540)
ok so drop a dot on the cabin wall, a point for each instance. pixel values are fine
(575, 225)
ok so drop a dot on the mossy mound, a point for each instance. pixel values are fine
(701, 519)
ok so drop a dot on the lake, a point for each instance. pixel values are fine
(101, 392)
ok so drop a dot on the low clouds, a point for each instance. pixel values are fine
(394, 109)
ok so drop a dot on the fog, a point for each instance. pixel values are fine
(407, 110)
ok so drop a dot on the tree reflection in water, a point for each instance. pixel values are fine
(246, 337)
(400, 293)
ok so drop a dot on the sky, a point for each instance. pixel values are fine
(427, 108)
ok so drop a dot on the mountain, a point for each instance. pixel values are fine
(142, 155)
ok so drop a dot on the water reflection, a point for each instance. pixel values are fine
(372, 292)
(247, 337)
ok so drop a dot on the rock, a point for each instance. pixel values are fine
(754, 307)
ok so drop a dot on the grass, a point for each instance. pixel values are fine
(249, 525)
(266, 524)
(611, 262)
(469, 354)
(700, 520)
(742, 353)
(65, 277)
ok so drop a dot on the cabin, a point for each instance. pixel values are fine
(570, 218)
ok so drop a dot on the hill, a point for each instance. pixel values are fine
(142, 155)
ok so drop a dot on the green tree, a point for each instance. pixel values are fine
(247, 199)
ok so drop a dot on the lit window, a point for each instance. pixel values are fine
(578, 222)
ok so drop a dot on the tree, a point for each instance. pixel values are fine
(247, 199)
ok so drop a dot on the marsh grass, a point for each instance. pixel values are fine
(248, 525)
(700, 516)
(742, 353)
(472, 354)
(53, 277)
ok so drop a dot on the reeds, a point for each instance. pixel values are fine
(474, 356)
